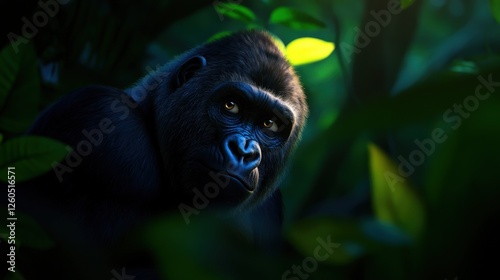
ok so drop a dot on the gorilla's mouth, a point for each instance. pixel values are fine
(232, 179)
(245, 184)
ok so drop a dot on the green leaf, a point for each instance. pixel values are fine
(171, 238)
(406, 3)
(218, 36)
(348, 239)
(393, 198)
(15, 276)
(384, 233)
(1, 138)
(308, 50)
(295, 19)
(19, 87)
(234, 11)
(307, 235)
(30, 155)
(28, 233)
(495, 8)
(464, 66)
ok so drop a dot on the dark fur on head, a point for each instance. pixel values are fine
(251, 57)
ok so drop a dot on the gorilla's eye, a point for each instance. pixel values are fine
(271, 125)
(232, 107)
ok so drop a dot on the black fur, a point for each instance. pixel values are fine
(168, 128)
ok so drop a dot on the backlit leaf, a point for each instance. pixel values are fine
(308, 50)
(394, 200)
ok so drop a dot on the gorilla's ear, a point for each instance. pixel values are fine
(188, 69)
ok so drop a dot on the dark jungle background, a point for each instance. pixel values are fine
(399, 163)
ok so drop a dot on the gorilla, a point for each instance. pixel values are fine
(214, 129)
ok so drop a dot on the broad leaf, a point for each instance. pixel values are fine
(234, 11)
(295, 19)
(346, 239)
(28, 233)
(495, 8)
(394, 200)
(308, 50)
(307, 235)
(19, 87)
(406, 3)
(30, 155)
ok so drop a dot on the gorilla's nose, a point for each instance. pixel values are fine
(243, 154)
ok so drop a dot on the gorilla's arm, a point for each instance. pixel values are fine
(114, 169)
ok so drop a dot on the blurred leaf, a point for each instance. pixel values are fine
(393, 199)
(28, 233)
(348, 239)
(1, 138)
(15, 276)
(218, 36)
(19, 87)
(328, 118)
(307, 235)
(206, 247)
(406, 3)
(235, 11)
(464, 66)
(30, 155)
(308, 50)
(495, 8)
(444, 89)
(295, 19)
(384, 233)
(452, 179)
(171, 239)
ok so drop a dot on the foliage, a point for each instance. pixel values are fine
(421, 93)
(31, 155)
(495, 8)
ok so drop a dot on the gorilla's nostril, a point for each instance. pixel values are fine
(249, 157)
(244, 151)
(235, 149)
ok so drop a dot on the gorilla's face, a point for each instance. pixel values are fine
(234, 125)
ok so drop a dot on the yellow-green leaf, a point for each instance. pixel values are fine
(495, 8)
(393, 198)
(406, 3)
(308, 50)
